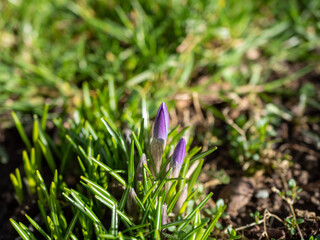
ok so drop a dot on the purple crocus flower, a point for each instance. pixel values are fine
(160, 134)
(178, 157)
(161, 123)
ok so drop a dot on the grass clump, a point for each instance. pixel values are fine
(119, 193)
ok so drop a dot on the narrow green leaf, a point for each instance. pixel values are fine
(37, 226)
(110, 130)
(202, 155)
(200, 206)
(110, 171)
(17, 184)
(123, 216)
(141, 77)
(131, 165)
(137, 144)
(195, 175)
(211, 226)
(44, 117)
(114, 221)
(23, 234)
(97, 189)
(176, 223)
(108, 236)
(157, 234)
(71, 226)
(112, 93)
(21, 130)
(30, 234)
(161, 184)
(53, 210)
(80, 205)
(35, 130)
(86, 95)
(136, 227)
(194, 231)
(43, 186)
(124, 198)
(158, 216)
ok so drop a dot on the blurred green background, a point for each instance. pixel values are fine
(126, 50)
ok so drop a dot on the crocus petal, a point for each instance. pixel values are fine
(161, 123)
(166, 115)
(179, 153)
(177, 159)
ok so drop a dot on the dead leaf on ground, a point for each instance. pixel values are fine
(237, 194)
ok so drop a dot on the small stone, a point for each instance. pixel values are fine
(262, 193)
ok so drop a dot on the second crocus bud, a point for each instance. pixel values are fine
(178, 158)
(139, 170)
(160, 134)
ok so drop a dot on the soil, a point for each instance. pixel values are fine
(296, 155)
(248, 193)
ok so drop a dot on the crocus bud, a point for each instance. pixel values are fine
(178, 157)
(139, 170)
(132, 204)
(160, 134)
(182, 198)
(161, 123)
(164, 219)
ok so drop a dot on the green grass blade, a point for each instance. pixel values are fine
(44, 117)
(124, 198)
(158, 216)
(17, 184)
(114, 221)
(202, 155)
(39, 229)
(97, 189)
(131, 165)
(23, 234)
(71, 226)
(123, 216)
(110, 171)
(195, 175)
(200, 206)
(80, 205)
(43, 186)
(138, 145)
(211, 225)
(176, 223)
(189, 235)
(21, 130)
(30, 234)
